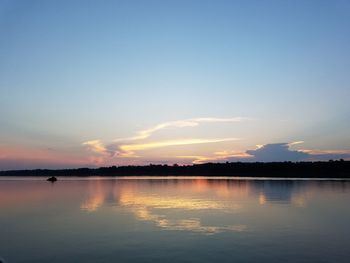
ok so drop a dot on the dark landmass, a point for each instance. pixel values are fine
(330, 169)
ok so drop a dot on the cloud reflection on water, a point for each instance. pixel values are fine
(200, 205)
(155, 208)
(173, 210)
(96, 197)
(188, 224)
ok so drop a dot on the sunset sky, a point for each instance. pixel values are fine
(100, 83)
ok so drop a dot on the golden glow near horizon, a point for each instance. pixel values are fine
(129, 147)
(146, 146)
(217, 156)
(160, 144)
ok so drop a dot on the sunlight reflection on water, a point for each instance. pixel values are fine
(108, 219)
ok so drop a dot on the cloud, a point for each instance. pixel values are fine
(280, 152)
(154, 209)
(222, 156)
(325, 155)
(127, 147)
(276, 152)
(128, 150)
(160, 144)
(326, 152)
(144, 134)
(95, 146)
(294, 143)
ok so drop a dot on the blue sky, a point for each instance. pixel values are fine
(73, 72)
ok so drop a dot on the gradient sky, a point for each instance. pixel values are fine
(91, 83)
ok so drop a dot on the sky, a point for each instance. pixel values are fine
(100, 83)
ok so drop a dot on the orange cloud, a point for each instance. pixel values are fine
(124, 149)
(96, 146)
(152, 145)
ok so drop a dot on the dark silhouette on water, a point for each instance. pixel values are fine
(330, 169)
(52, 179)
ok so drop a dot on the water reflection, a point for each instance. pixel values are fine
(190, 224)
(199, 219)
(274, 191)
(166, 203)
(183, 205)
(155, 209)
(96, 196)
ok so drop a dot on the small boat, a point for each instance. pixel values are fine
(52, 179)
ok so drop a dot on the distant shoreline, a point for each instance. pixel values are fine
(331, 169)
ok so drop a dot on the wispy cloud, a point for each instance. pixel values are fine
(295, 143)
(160, 144)
(144, 134)
(95, 146)
(128, 146)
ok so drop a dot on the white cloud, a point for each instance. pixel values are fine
(144, 134)
(123, 147)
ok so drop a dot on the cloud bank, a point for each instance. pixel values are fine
(276, 152)
(273, 152)
(279, 152)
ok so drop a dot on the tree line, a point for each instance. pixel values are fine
(332, 169)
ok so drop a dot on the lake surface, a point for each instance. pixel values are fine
(174, 220)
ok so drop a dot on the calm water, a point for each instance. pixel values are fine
(174, 220)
